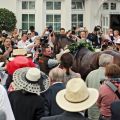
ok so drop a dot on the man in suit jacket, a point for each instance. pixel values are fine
(73, 100)
(115, 110)
(56, 76)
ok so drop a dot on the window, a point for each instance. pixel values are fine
(28, 5)
(77, 20)
(77, 4)
(53, 5)
(27, 21)
(105, 6)
(113, 6)
(54, 20)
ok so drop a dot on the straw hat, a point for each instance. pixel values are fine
(118, 42)
(19, 52)
(76, 97)
(31, 80)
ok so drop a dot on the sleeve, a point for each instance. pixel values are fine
(5, 104)
(100, 97)
(47, 103)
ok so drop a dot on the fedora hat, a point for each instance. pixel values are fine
(31, 80)
(76, 97)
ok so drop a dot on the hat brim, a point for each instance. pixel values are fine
(27, 56)
(118, 43)
(77, 107)
(19, 79)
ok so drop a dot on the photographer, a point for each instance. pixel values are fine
(47, 31)
(95, 37)
(48, 36)
(71, 35)
(6, 48)
(46, 61)
(35, 49)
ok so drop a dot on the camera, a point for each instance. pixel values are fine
(50, 29)
(44, 40)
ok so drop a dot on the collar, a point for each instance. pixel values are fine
(79, 114)
(56, 83)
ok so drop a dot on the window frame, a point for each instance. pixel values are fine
(53, 22)
(108, 6)
(77, 22)
(28, 22)
(28, 2)
(76, 4)
(53, 4)
(112, 6)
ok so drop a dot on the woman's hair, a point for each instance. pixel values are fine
(66, 61)
(56, 74)
(112, 71)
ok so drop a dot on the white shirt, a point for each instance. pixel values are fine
(5, 104)
(22, 44)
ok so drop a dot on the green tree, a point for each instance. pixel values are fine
(7, 20)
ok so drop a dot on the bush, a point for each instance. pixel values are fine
(7, 20)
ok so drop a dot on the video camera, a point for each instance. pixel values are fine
(50, 28)
(44, 40)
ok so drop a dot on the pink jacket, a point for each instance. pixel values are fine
(106, 97)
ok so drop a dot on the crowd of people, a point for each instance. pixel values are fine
(37, 81)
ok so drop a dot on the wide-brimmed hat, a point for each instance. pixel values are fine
(118, 42)
(76, 97)
(19, 62)
(31, 80)
(19, 52)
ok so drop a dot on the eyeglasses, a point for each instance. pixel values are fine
(29, 34)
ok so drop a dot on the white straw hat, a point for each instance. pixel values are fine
(76, 97)
(118, 41)
(31, 80)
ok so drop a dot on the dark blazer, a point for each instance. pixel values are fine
(115, 110)
(66, 116)
(51, 107)
(44, 64)
(26, 106)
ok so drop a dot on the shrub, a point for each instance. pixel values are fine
(7, 20)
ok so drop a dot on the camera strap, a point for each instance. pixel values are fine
(113, 87)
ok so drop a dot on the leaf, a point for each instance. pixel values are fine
(7, 20)
(75, 46)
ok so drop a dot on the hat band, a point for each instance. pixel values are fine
(78, 101)
(32, 82)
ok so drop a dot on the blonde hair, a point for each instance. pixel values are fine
(56, 75)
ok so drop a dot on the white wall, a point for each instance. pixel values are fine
(91, 16)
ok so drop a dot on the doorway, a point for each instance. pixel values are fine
(115, 21)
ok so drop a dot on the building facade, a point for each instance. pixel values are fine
(64, 13)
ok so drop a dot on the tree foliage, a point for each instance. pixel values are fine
(7, 20)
